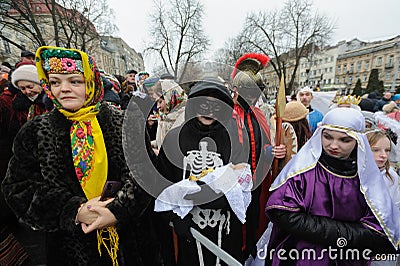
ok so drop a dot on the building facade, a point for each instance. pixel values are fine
(358, 63)
(339, 67)
(111, 54)
(116, 56)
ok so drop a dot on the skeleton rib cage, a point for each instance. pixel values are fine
(200, 160)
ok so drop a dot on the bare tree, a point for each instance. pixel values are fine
(83, 22)
(178, 36)
(75, 24)
(286, 35)
(18, 16)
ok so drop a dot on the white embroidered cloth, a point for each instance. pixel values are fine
(235, 181)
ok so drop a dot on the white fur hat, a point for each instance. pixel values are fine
(25, 72)
(306, 89)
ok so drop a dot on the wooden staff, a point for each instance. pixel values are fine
(280, 105)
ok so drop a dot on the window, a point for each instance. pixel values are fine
(350, 80)
(359, 65)
(365, 78)
(330, 69)
(331, 58)
(326, 59)
(329, 81)
(338, 69)
(366, 65)
(391, 61)
(344, 68)
(388, 75)
(379, 61)
(351, 68)
(6, 46)
(343, 80)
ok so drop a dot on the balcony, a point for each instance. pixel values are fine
(389, 65)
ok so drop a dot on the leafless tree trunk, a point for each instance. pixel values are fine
(18, 16)
(178, 36)
(286, 34)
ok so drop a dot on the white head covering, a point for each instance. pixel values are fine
(168, 87)
(351, 122)
(304, 89)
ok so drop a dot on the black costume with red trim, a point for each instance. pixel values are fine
(254, 123)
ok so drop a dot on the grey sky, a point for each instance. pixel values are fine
(367, 20)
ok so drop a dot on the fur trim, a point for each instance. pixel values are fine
(261, 58)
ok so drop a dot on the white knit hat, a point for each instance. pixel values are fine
(25, 72)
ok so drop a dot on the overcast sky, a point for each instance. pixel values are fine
(367, 20)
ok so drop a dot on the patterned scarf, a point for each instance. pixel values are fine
(89, 152)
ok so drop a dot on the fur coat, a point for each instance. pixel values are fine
(42, 189)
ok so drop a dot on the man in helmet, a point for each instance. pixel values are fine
(252, 123)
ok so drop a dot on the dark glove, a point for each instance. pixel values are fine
(182, 227)
(207, 198)
(325, 231)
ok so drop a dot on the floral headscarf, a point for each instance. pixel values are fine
(89, 152)
(85, 130)
(173, 95)
(57, 60)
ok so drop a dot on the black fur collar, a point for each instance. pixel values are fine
(61, 124)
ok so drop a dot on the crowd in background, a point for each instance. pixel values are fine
(190, 131)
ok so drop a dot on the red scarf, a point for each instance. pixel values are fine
(238, 115)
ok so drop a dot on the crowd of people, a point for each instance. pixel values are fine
(99, 169)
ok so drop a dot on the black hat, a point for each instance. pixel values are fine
(130, 71)
(27, 54)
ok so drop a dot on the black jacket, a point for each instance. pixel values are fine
(325, 231)
(42, 189)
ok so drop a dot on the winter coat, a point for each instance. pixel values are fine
(42, 189)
